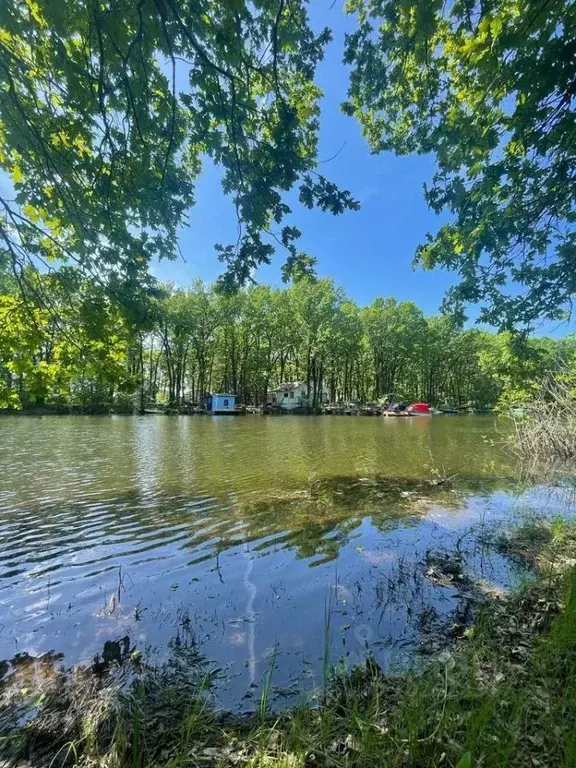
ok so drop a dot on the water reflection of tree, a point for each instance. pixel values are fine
(317, 521)
(313, 521)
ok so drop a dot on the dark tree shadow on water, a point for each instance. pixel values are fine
(314, 520)
(317, 521)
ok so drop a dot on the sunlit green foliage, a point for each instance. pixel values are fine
(489, 89)
(250, 342)
(81, 349)
(107, 111)
(72, 350)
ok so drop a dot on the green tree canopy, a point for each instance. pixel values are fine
(489, 88)
(80, 351)
(109, 107)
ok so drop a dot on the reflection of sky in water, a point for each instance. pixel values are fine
(146, 456)
(238, 532)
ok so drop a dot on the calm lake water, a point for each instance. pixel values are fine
(239, 535)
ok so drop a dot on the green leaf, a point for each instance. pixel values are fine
(496, 26)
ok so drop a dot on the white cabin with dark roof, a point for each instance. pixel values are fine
(294, 394)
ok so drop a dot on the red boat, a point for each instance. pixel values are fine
(419, 409)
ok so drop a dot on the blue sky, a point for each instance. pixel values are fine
(368, 252)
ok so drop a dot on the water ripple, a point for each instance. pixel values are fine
(122, 526)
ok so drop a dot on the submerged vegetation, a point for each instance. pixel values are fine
(84, 350)
(501, 693)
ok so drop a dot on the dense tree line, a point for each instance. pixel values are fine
(178, 344)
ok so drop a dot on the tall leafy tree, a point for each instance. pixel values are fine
(344, 352)
(71, 351)
(489, 88)
(518, 366)
(316, 304)
(108, 108)
(22, 333)
(396, 333)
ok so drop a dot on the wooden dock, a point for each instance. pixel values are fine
(350, 410)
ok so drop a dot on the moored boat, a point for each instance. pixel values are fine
(419, 409)
(396, 409)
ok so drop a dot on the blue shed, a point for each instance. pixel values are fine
(217, 402)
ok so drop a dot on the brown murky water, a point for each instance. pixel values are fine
(235, 534)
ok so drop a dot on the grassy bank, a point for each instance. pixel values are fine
(502, 694)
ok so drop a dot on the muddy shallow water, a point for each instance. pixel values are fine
(244, 535)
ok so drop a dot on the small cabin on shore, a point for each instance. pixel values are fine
(295, 394)
(219, 403)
